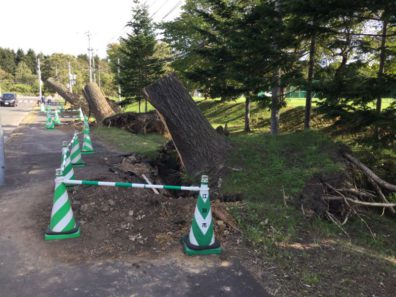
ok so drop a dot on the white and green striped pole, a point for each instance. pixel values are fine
(130, 185)
(67, 168)
(201, 239)
(62, 225)
(75, 153)
(87, 147)
(49, 123)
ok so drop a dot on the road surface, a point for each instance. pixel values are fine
(11, 117)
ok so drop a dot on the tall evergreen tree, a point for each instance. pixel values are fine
(7, 60)
(138, 63)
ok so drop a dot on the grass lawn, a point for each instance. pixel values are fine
(127, 142)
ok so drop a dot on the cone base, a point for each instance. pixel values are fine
(211, 250)
(59, 236)
(87, 152)
(79, 164)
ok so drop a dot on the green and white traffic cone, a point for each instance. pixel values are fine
(42, 107)
(201, 239)
(81, 115)
(57, 120)
(86, 123)
(62, 225)
(49, 123)
(87, 143)
(75, 153)
(68, 171)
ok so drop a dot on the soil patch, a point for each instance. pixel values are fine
(117, 222)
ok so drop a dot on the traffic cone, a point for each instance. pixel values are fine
(57, 120)
(62, 225)
(67, 168)
(50, 123)
(81, 114)
(87, 143)
(86, 123)
(201, 240)
(75, 153)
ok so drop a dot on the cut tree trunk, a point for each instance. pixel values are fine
(97, 102)
(200, 148)
(74, 99)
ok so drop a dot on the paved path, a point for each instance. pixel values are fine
(29, 266)
(11, 117)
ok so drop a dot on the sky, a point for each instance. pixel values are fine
(50, 26)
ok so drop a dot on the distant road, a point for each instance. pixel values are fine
(11, 117)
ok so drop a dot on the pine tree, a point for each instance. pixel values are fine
(139, 66)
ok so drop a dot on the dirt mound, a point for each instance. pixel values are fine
(117, 222)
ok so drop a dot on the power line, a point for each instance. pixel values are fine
(172, 9)
(159, 8)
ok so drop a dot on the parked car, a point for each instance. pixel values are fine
(9, 99)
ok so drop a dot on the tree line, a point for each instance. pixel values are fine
(18, 71)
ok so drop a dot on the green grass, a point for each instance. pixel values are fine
(267, 164)
(127, 142)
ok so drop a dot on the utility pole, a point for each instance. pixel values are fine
(39, 78)
(89, 55)
(118, 75)
(99, 81)
(70, 79)
(93, 66)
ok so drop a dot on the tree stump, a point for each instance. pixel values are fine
(200, 148)
(74, 99)
(97, 102)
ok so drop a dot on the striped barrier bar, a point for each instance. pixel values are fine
(130, 185)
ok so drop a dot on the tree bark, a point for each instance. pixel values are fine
(200, 148)
(275, 102)
(247, 114)
(308, 99)
(74, 99)
(276, 84)
(382, 58)
(97, 102)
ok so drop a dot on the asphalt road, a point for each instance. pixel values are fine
(11, 117)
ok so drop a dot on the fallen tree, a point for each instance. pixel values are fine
(200, 148)
(97, 102)
(74, 99)
(133, 122)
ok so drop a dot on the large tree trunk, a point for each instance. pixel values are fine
(74, 99)
(97, 102)
(200, 148)
(308, 99)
